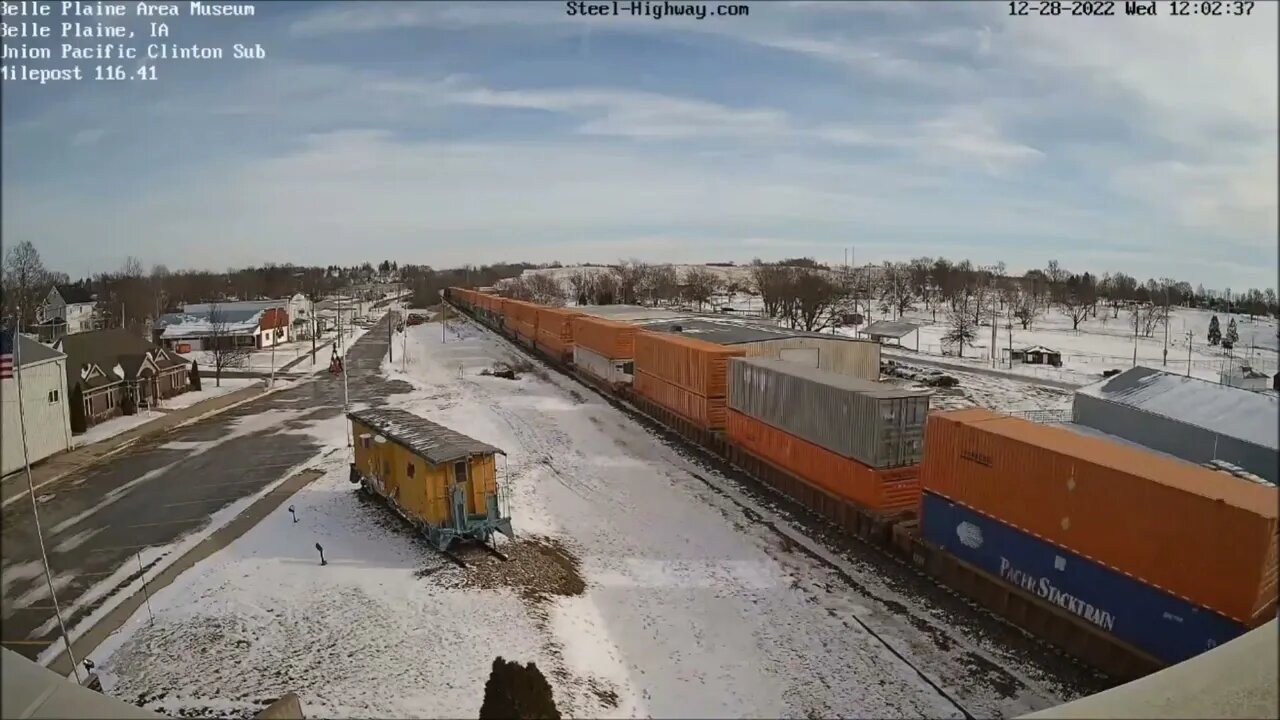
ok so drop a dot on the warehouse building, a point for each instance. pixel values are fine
(1196, 420)
(833, 353)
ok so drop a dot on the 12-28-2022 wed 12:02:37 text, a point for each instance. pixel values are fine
(1131, 8)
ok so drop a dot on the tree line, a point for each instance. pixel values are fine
(805, 294)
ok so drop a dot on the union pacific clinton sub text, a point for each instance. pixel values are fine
(655, 10)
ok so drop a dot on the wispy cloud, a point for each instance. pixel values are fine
(468, 132)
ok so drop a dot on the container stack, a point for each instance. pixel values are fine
(1166, 556)
(856, 439)
(684, 375)
(604, 349)
(555, 332)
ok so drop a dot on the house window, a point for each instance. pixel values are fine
(409, 471)
(88, 408)
(54, 396)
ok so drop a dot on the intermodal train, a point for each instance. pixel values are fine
(1126, 558)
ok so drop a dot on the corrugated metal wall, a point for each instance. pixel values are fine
(48, 423)
(878, 425)
(1188, 442)
(846, 357)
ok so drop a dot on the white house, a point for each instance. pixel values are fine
(44, 404)
(254, 324)
(67, 309)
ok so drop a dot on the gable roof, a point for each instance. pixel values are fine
(1249, 416)
(437, 443)
(109, 348)
(72, 294)
(235, 321)
(29, 352)
(890, 328)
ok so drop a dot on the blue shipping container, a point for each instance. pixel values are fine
(1163, 626)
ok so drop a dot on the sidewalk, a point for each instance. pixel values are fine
(54, 468)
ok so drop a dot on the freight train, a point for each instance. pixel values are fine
(1126, 558)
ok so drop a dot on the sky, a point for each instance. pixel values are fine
(448, 133)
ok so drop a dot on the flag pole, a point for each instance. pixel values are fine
(26, 462)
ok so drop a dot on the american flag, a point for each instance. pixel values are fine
(6, 355)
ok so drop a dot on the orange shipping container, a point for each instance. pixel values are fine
(695, 365)
(1196, 533)
(706, 412)
(888, 489)
(555, 328)
(607, 338)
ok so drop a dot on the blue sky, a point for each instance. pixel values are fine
(447, 133)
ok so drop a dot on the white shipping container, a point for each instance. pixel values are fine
(612, 371)
(47, 415)
(854, 358)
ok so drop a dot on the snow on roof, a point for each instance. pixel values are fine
(233, 322)
(237, 305)
(1039, 349)
(1248, 416)
(890, 328)
(437, 443)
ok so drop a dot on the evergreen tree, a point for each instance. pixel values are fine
(1233, 334)
(195, 376)
(1215, 333)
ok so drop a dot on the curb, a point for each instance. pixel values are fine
(144, 436)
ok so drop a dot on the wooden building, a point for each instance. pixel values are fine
(441, 481)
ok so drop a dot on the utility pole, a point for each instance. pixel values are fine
(994, 325)
(390, 345)
(1135, 335)
(1166, 324)
(1189, 336)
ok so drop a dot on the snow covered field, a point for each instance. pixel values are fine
(661, 588)
(1105, 343)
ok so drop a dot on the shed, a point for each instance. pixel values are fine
(882, 331)
(443, 482)
(1193, 419)
(44, 403)
(832, 353)
(1032, 355)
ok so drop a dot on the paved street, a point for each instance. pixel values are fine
(161, 489)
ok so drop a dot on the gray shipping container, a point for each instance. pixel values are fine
(876, 424)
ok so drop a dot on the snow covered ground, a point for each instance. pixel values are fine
(673, 593)
(1105, 343)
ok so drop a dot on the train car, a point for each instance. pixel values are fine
(444, 483)
(555, 332)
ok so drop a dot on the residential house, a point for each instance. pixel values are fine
(111, 370)
(251, 324)
(44, 404)
(1032, 355)
(66, 309)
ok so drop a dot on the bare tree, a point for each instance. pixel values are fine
(813, 298)
(221, 344)
(1079, 295)
(1145, 318)
(581, 286)
(630, 277)
(26, 282)
(1024, 304)
(699, 285)
(536, 287)
(897, 293)
(660, 284)
(773, 283)
(961, 328)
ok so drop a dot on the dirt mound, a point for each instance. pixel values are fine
(536, 567)
(518, 692)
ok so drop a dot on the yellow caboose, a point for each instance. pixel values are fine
(441, 481)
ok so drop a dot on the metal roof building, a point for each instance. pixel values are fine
(1193, 419)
